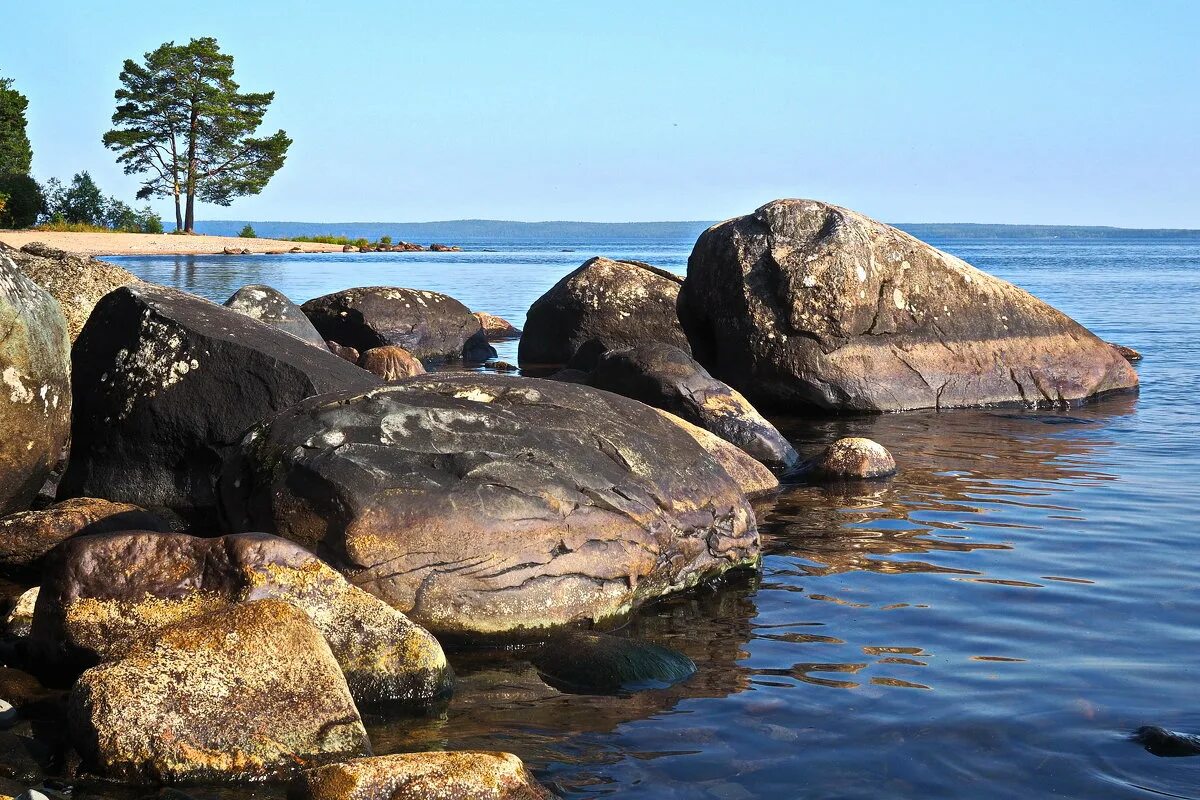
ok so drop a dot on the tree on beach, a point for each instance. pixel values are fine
(20, 195)
(182, 123)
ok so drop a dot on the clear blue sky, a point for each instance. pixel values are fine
(1027, 112)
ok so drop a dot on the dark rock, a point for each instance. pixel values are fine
(248, 692)
(496, 327)
(444, 248)
(458, 775)
(806, 304)
(27, 536)
(570, 375)
(76, 282)
(29, 698)
(391, 363)
(503, 366)
(1127, 353)
(104, 594)
(619, 303)
(748, 472)
(341, 351)
(35, 386)
(349, 248)
(665, 377)
(167, 383)
(852, 458)
(596, 663)
(270, 306)
(483, 504)
(1162, 742)
(427, 324)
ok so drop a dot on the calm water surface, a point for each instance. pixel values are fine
(993, 622)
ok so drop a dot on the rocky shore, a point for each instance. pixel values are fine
(233, 532)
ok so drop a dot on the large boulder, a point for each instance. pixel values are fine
(427, 324)
(76, 282)
(618, 303)
(274, 308)
(167, 383)
(103, 594)
(749, 473)
(446, 775)
(806, 304)
(493, 505)
(27, 536)
(663, 376)
(35, 386)
(250, 691)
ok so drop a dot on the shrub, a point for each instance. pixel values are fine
(24, 202)
(248, 232)
(385, 240)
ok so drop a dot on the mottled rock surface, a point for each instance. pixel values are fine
(27, 536)
(618, 303)
(804, 304)
(489, 504)
(251, 691)
(272, 307)
(167, 383)
(76, 282)
(496, 327)
(597, 663)
(853, 457)
(19, 620)
(429, 325)
(101, 595)
(341, 351)
(462, 775)
(663, 376)
(35, 386)
(391, 363)
(749, 473)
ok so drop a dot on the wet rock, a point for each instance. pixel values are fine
(103, 594)
(462, 775)
(663, 376)
(35, 387)
(28, 696)
(619, 303)
(76, 282)
(596, 663)
(852, 458)
(427, 324)
(496, 327)
(272, 307)
(570, 375)
(1170, 744)
(749, 473)
(484, 504)
(349, 353)
(806, 304)
(19, 619)
(391, 363)
(166, 385)
(27, 536)
(349, 248)
(444, 248)
(1127, 353)
(250, 691)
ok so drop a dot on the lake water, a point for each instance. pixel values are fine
(993, 622)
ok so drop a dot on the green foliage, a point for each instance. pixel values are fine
(360, 243)
(15, 152)
(183, 124)
(24, 200)
(385, 240)
(82, 201)
(82, 208)
(248, 232)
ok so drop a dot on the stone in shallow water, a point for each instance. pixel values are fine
(595, 663)
(853, 457)
(494, 505)
(462, 775)
(391, 363)
(807, 304)
(1170, 744)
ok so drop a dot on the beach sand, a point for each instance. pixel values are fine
(120, 244)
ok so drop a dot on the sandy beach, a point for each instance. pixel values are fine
(124, 244)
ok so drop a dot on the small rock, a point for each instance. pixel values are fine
(391, 363)
(296, 250)
(503, 366)
(19, 620)
(272, 307)
(595, 663)
(1169, 744)
(1128, 353)
(31, 794)
(348, 353)
(444, 248)
(496, 327)
(468, 774)
(853, 458)
(349, 248)
(8, 714)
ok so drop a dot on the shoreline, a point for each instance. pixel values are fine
(149, 244)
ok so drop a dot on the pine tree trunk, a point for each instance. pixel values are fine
(189, 221)
(178, 212)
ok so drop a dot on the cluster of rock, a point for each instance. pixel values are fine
(272, 514)
(400, 247)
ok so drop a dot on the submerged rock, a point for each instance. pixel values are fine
(250, 691)
(462, 775)
(495, 505)
(272, 307)
(663, 376)
(429, 325)
(26, 537)
(35, 386)
(852, 457)
(595, 663)
(806, 304)
(619, 303)
(167, 383)
(391, 363)
(1170, 744)
(102, 595)
(496, 327)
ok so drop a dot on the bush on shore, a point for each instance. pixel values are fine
(248, 232)
(22, 200)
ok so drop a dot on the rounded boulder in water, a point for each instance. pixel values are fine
(1169, 744)
(596, 663)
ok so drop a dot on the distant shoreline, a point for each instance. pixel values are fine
(147, 244)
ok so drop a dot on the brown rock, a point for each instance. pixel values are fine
(496, 327)
(444, 248)
(250, 691)
(19, 620)
(749, 473)
(806, 304)
(76, 282)
(27, 536)
(1127, 353)
(391, 363)
(463, 775)
(348, 353)
(853, 458)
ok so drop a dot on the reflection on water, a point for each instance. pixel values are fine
(991, 622)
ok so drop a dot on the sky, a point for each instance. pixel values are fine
(1082, 113)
